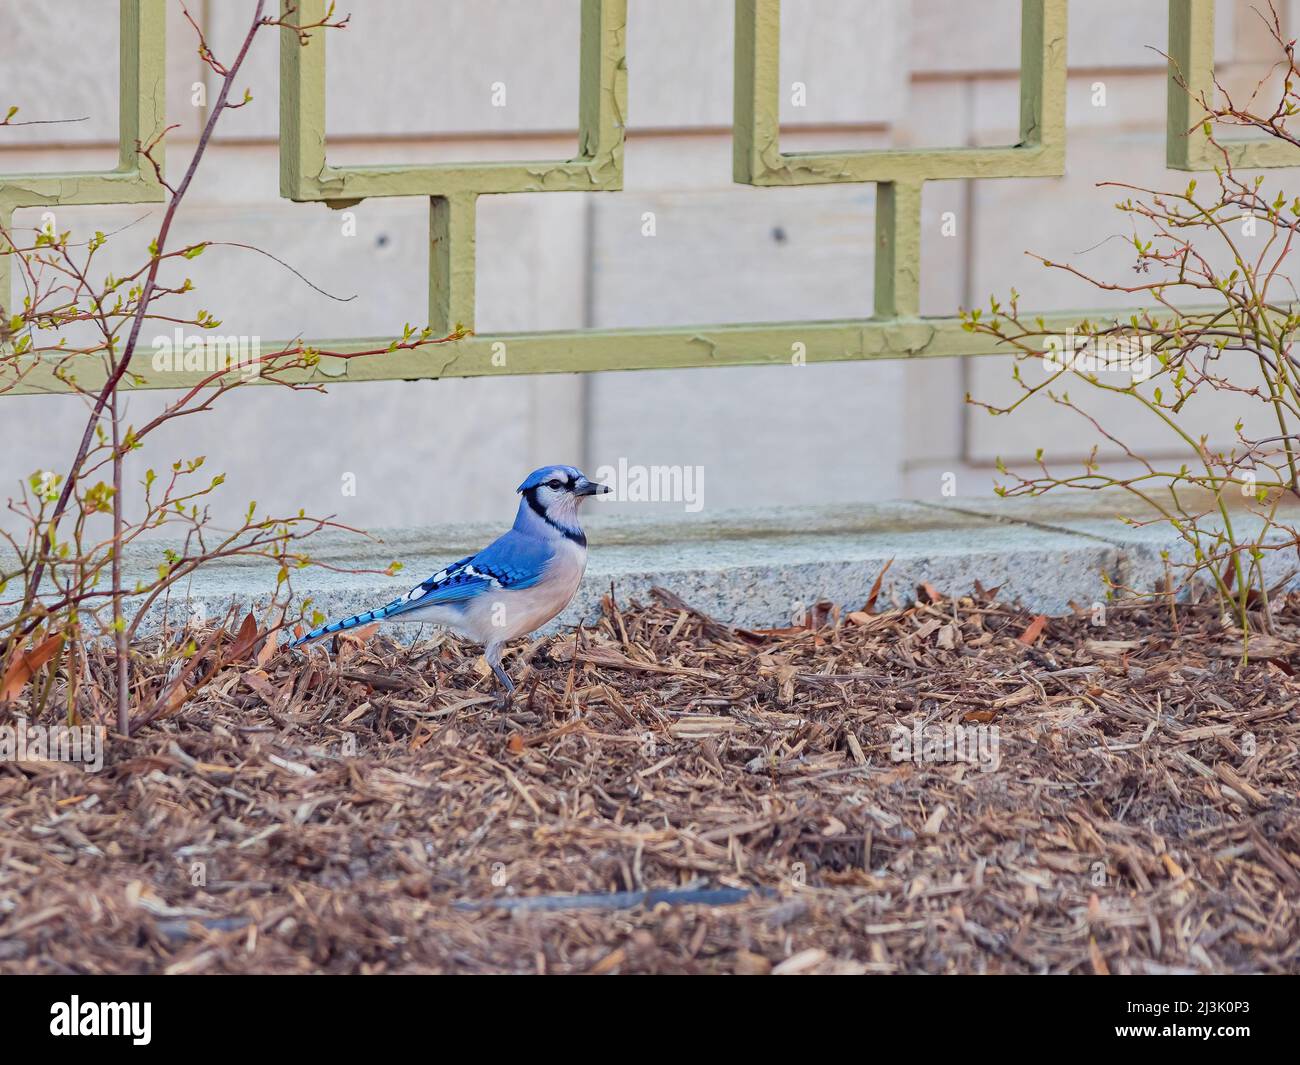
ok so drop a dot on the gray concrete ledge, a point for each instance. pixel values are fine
(758, 568)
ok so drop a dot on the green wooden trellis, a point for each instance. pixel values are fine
(894, 330)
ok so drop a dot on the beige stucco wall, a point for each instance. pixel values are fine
(412, 80)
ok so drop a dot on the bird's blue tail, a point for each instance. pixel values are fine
(345, 624)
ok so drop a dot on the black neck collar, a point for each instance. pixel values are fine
(576, 535)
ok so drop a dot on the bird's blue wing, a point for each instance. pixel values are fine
(509, 562)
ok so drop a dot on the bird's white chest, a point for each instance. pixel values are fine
(503, 615)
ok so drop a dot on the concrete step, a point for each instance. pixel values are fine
(764, 567)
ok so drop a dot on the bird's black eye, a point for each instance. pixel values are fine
(554, 484)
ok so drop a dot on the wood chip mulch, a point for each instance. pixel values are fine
(671, 794)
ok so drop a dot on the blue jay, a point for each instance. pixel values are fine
(516, 584)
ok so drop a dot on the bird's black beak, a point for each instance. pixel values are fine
(585, 487)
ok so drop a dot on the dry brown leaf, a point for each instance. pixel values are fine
(875, 588)
(1033, 630)
(930, 592)
(359, 636)
(245, 638)
(260, 683)
(26, 664)
(268, 649)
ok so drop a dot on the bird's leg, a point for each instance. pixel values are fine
(506, 683)
(493, 656)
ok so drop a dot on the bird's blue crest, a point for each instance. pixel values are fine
(565, 473)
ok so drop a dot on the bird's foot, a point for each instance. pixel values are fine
(507, 690)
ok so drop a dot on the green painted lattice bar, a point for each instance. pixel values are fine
(141, 117)
(894, 330)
